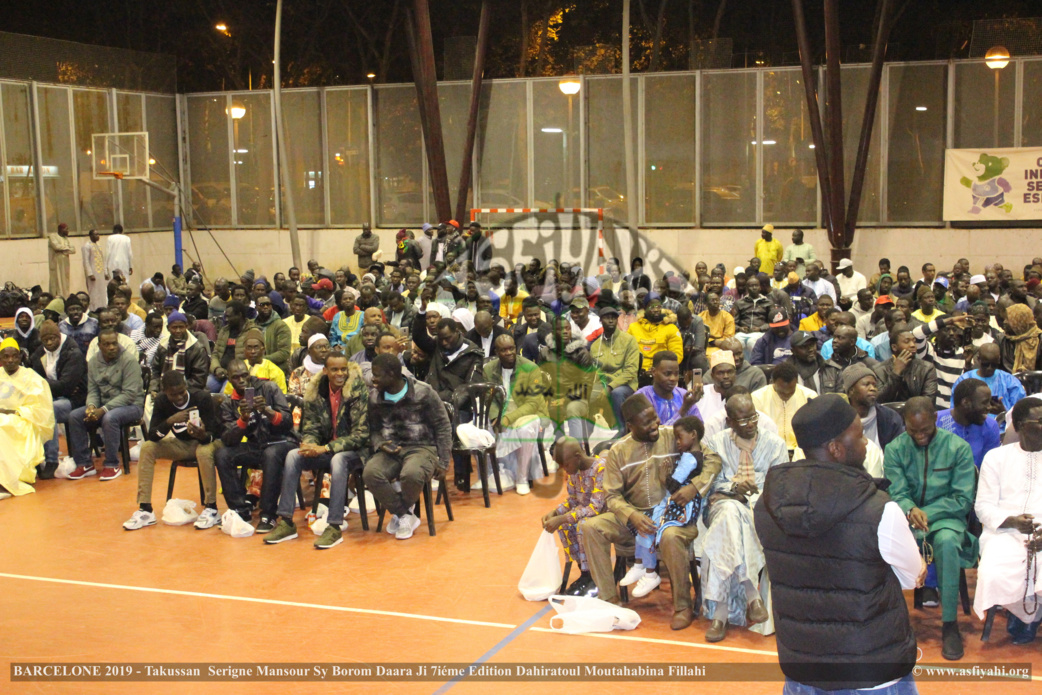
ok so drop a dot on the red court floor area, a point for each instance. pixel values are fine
(76, 587)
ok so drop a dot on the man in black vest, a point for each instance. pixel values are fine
(839, 552)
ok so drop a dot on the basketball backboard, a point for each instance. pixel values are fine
(123, 155)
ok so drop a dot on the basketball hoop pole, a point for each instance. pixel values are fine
(173, 191)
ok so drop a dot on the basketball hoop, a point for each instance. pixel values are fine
(113, 174)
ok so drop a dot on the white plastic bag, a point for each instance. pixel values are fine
(473, 437)
(135, 452)
(543, 574)
(179, 512)
(580, 614)
(65, 467)
(235, 526)
(370, 504)
(319, 523)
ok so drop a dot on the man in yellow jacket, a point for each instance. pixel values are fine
(653, 335)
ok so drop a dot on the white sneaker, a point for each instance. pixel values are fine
(4, 494)
(140, 519)
(406, 525)
(634, 574)
(551, 466)
(392, 524)
(522, 487)
(208, 519)
(648, 583)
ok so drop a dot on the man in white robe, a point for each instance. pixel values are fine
(1009, 501)
(26, 421)
(95, 272)
(120, 255)
(732, 558)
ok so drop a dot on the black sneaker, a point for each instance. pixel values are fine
(266, 525)
(46, 471)
(931, 599)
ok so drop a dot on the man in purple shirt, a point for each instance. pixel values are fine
(670, 401)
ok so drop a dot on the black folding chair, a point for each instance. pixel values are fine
(479, 399)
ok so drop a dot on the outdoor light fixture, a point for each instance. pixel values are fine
(920, 108)
(236, 110)
(223, 28)
(570, 85)
(371, 75)
(996, 58)
(551, 130)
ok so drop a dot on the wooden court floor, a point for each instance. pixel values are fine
(76, 587)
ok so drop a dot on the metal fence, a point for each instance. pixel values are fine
(715, 148)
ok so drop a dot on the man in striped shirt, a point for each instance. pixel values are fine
(946, 354)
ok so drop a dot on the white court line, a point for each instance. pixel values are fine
(248, 599)
(367, 611)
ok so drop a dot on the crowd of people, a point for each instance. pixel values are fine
(701, 383)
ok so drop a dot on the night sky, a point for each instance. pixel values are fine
(341, 41)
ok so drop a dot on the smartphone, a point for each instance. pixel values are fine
(696, 375)
(250, 395)
(193, 418)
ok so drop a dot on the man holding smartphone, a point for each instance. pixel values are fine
(257, 431)
(191, 417)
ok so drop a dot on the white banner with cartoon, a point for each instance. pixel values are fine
(993, 185)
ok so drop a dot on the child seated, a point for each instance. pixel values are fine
(670, 511)
(585, 475)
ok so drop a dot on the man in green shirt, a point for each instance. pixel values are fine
(617, 358)
(932, 477)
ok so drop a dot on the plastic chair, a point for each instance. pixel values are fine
(989, 618)
(897, 406)
(1031, 381)
(479, 399)
(184, 463)
(426, 497)
(300, 493)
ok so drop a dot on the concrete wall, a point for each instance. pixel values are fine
(24, 261)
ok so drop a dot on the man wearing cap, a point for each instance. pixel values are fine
(768, 249)
(746, 374)
(617, 359)
(751, 313)
(584, 324)
(570, 374)
(366, 244)
(903, 376)
(635, 474)
(277, 337)
(839, 553)
(881, 424)
(774, 346)
(722, 377)
(653, 335)
(867, 325)
(814, 371)
(782, 399)
(734, 556)
(799, 252)
(932, 477)
(850, 281)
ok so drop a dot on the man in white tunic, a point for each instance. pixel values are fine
(59, 249)
(1009, 500)
(120, 254)
(95, 272)
(732, 557)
